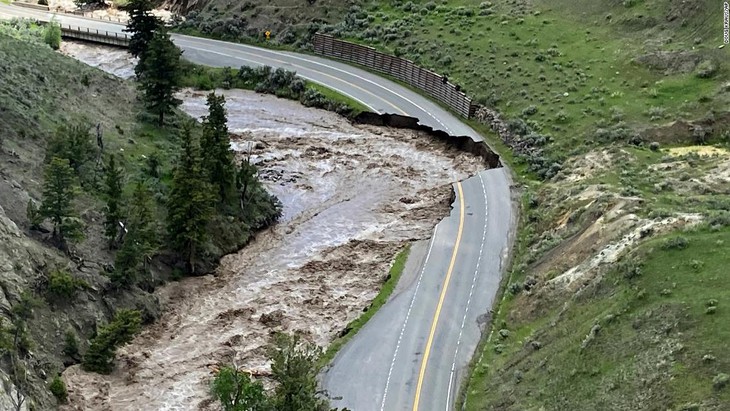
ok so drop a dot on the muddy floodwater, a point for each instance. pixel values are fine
(116, 61)
(353, 197)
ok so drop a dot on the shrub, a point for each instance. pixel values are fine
(706, 69)
(236, 390)
(34, 215)
(71, 345)
(515, 288)
(654, 146)
(630, 269)
(58, 389)
(720, 381)
(102, 351)
(204, 82)
(561, 117)
(64, 286)
(675, 243)
(227, 81)
(696, 264)
(52, 35)
(614, 133)
(656, 113)
(529, 110)
(699, 134)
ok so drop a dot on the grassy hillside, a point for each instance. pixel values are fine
(286, 20)
(604, 308)
(42, 90)
(649, 334)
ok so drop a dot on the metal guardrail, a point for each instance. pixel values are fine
(97, 36)
(434, 85)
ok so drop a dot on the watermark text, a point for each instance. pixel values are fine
(726, 22)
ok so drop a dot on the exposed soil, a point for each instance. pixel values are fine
(352, 195)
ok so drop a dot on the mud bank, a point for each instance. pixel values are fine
(353, 195)
(464, 143)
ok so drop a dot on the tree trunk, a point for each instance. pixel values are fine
(161, 118)
(243, 196)
(190, 263)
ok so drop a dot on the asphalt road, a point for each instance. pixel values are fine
(411, 355)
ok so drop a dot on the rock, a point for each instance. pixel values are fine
(272, 319)
(670, 62)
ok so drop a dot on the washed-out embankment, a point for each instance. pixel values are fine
(464, 143)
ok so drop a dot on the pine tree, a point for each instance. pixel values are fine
(113, 212)
(142, 24)
(189, 205)
(59, 190)
(102, 350)
(218, 156)
(159, 77)
(72, 142)
(140, 243)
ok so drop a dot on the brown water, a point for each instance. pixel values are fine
(353, 197)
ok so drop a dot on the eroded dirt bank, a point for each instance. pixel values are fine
(352, 195)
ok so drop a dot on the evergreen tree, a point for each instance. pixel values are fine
(159, 76)
(113, 212)
(140, 243)
(142, 25)
(71, 345)
(189, 205)
(73, 143)
(218, 156)
(102, 350)
(58, 193)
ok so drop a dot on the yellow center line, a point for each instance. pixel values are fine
(283, 62)
(436, 315)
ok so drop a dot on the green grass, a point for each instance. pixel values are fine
(385, 291)
(649, 351)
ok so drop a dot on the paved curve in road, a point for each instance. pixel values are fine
(412, 354)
